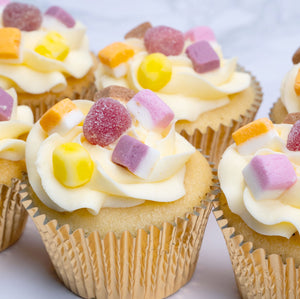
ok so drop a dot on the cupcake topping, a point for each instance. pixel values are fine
(6, 105)
(61, 15)
(200, 33)
(293, 141)
(10, 39)
(116, 92)
(296, 56)
(291, 118)
(139, 31)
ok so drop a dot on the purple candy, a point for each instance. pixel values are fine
(61, 15)
(165, 40)
(106, 121)
(203, 57)
(6, 105)
(293, 141)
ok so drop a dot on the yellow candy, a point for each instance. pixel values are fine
(72, 164)
(53, 46)
(155, 71)
(10, 39)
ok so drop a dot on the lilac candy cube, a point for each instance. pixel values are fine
(136, 156)
(150, 110)
(200, 33)
(6, 105)
(203, 57)
(268, 176)
(61, 15)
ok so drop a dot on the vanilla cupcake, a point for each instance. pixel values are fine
(211, 96)
(259, 208)
(15, 123)
(114, 184)
(45, 57)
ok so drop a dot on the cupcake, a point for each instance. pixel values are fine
(289, 101)
(15, 123)
(210, 96)
(120, 199)
(258, 208)
(44, 57)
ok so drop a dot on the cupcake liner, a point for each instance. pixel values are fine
(214, 142)
(278, 112)
(257, 274)
(153, 264)
(13, 216)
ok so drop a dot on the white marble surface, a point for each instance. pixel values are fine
(263, 34)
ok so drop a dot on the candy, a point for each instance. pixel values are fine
(296, 56)
(10, 39)
(106, 121)
(6, 105)
(72, 164)
(61, 118)
(203, 57)
(23, 16)
(61, 15)
(268, 176)
(291, 118)
(154, 72)
(116, 92)
(139, 31)
(53, 46)
(293, 141)
(165, 40)
(138, 157)
(297, 83)
(200, 33)
(150, 110)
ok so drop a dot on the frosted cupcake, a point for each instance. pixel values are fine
(259, 213)
(45, 57)
(210, 95)
(115, 184)
(15, 123)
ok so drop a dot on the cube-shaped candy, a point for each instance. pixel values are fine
(6, 105)
(61, 15)
(291, 118)
(150, 110)
(72, 164)
(254, 135)
(53, 46)
(139, 31)
(268, 176)
(116, 92)
(10, 39)
(200, 33)
(203, 57)
(297, 83)
(293, 141)
(136, 156)
(61, 118)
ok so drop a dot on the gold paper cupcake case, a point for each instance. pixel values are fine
(257, 274)
(13, 216)
(153, 264)
(214, 142)
(278, 112)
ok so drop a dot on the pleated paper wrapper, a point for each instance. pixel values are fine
(13, 216)
(214, 142)
(154, 264)
(257, 274)
(278, 112)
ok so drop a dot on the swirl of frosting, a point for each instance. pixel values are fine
(34, 73)
(273, 216)
(111, 185)
(20, 123)
(188, 93)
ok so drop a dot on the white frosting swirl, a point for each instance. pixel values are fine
(34, 73)
(275, 216)
(111, 185)
(188, 93)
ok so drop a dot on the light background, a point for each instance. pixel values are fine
(263, 34)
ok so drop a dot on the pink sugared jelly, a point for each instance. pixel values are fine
(6, 105)
(165, 40)
(106, 121)
(23, 16)
(293, 141)
(61, 15)
(200, 33)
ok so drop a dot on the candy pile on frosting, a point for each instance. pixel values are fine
(265, 168)
(107, 153)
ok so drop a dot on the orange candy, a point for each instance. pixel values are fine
(10, 39)
(297, 83)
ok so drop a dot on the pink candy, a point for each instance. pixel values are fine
(200, 33)
(150, 110)
(268, 176)
(165, 40)
(136, 156)
(22, 16)
(61, 15)
(6, 105)
(106, 121)
(293, 141)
